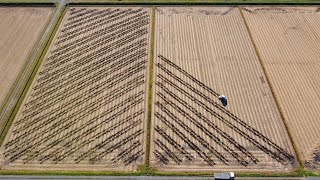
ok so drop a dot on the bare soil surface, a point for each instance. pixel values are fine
(20, 28)
(86, 107)
(200, 53)
(288, 39)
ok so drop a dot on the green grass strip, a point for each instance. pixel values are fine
(170, 2)
(145, 171)
(296, 173)
(194, 2)
(70, 173)
(151, 63)
(29, 82)
(26, 3)
(272, 90)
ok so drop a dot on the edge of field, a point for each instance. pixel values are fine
(164, 2)
(5, 122)
(39, 58)
(144, 169)
(153, 172)
(193, 2)
(27, 3)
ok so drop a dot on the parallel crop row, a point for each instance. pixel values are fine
(181, 103)
(87, 102)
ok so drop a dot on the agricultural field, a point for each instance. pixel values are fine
(288, 40)
(86, 107)
(200, 53)
(20, 28)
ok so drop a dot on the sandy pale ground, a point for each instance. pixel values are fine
(86, 108)
(201, 52)
(288, 39)
(20, 28)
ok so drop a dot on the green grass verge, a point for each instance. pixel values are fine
(6, 116)
(272, 90)
(69, 173)
(195, 2)
(148, 141)
(300, 172)
(147, 171)
(31, 77)
(26, 3)
(172, 2)
(163, 1)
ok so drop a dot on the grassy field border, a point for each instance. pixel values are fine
(26, 4)
(272, 91)
(4, 122)
(150, 92)
(194, 2)
(46, 45)
(70, 173)
(153, 172)
(172, 2)
(296, 173)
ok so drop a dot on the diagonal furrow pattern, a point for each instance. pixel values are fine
(182, 102)
(87, 102)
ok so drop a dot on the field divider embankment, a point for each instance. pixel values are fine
(271, 88)
(29, 72)
(150, 86)
(27, 4)
(186, 2)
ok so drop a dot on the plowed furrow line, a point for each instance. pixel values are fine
(235, 118)
(184, 138)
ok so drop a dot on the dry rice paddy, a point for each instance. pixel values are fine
(201, 53)
(288, 39)
(86, 106)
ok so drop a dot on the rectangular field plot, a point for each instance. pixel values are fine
(20, 28)
(288, 40)
(200, 53)
(86, 107)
